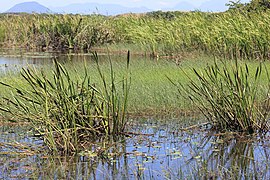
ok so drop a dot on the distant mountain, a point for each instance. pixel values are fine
(214, 5)
(111, 9)
(29, 7)
(105, 9)
(184, 6)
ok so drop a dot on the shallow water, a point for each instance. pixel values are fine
(161, 151)
(14, 60)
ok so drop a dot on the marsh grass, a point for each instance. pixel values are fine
(69, 113)
(2, 34)
(151, 94)
(231, 96)
(55, 31)
(231, 34)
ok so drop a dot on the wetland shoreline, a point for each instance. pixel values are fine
(111, 113)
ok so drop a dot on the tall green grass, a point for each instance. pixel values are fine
(2, 34)
(70, 112)
(231, 96)
(56, 31)
(232, 34)
(151, 94)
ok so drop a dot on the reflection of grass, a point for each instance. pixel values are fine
(218, 156)
(234, 158)
(223, 156)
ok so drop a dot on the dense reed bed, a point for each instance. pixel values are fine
(233, 34)
(55, 31)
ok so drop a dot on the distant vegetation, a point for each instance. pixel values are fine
(254, 5)
(239, 32)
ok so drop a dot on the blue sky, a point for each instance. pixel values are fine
(151, 4)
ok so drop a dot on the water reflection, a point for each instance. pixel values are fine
(159, 151)
(14, 60)
(232, 157)
(18, 152)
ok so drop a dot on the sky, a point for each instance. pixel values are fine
(151, 4)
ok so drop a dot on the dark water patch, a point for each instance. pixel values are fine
(152, 149)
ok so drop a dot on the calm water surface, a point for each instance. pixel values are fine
(11, 60)
(161, 151)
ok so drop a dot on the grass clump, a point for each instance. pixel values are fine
(229, 96)
(70, 112)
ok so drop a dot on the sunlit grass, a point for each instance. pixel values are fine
(231, 95)
(67, 110)
(151, 92)
(232, 34)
